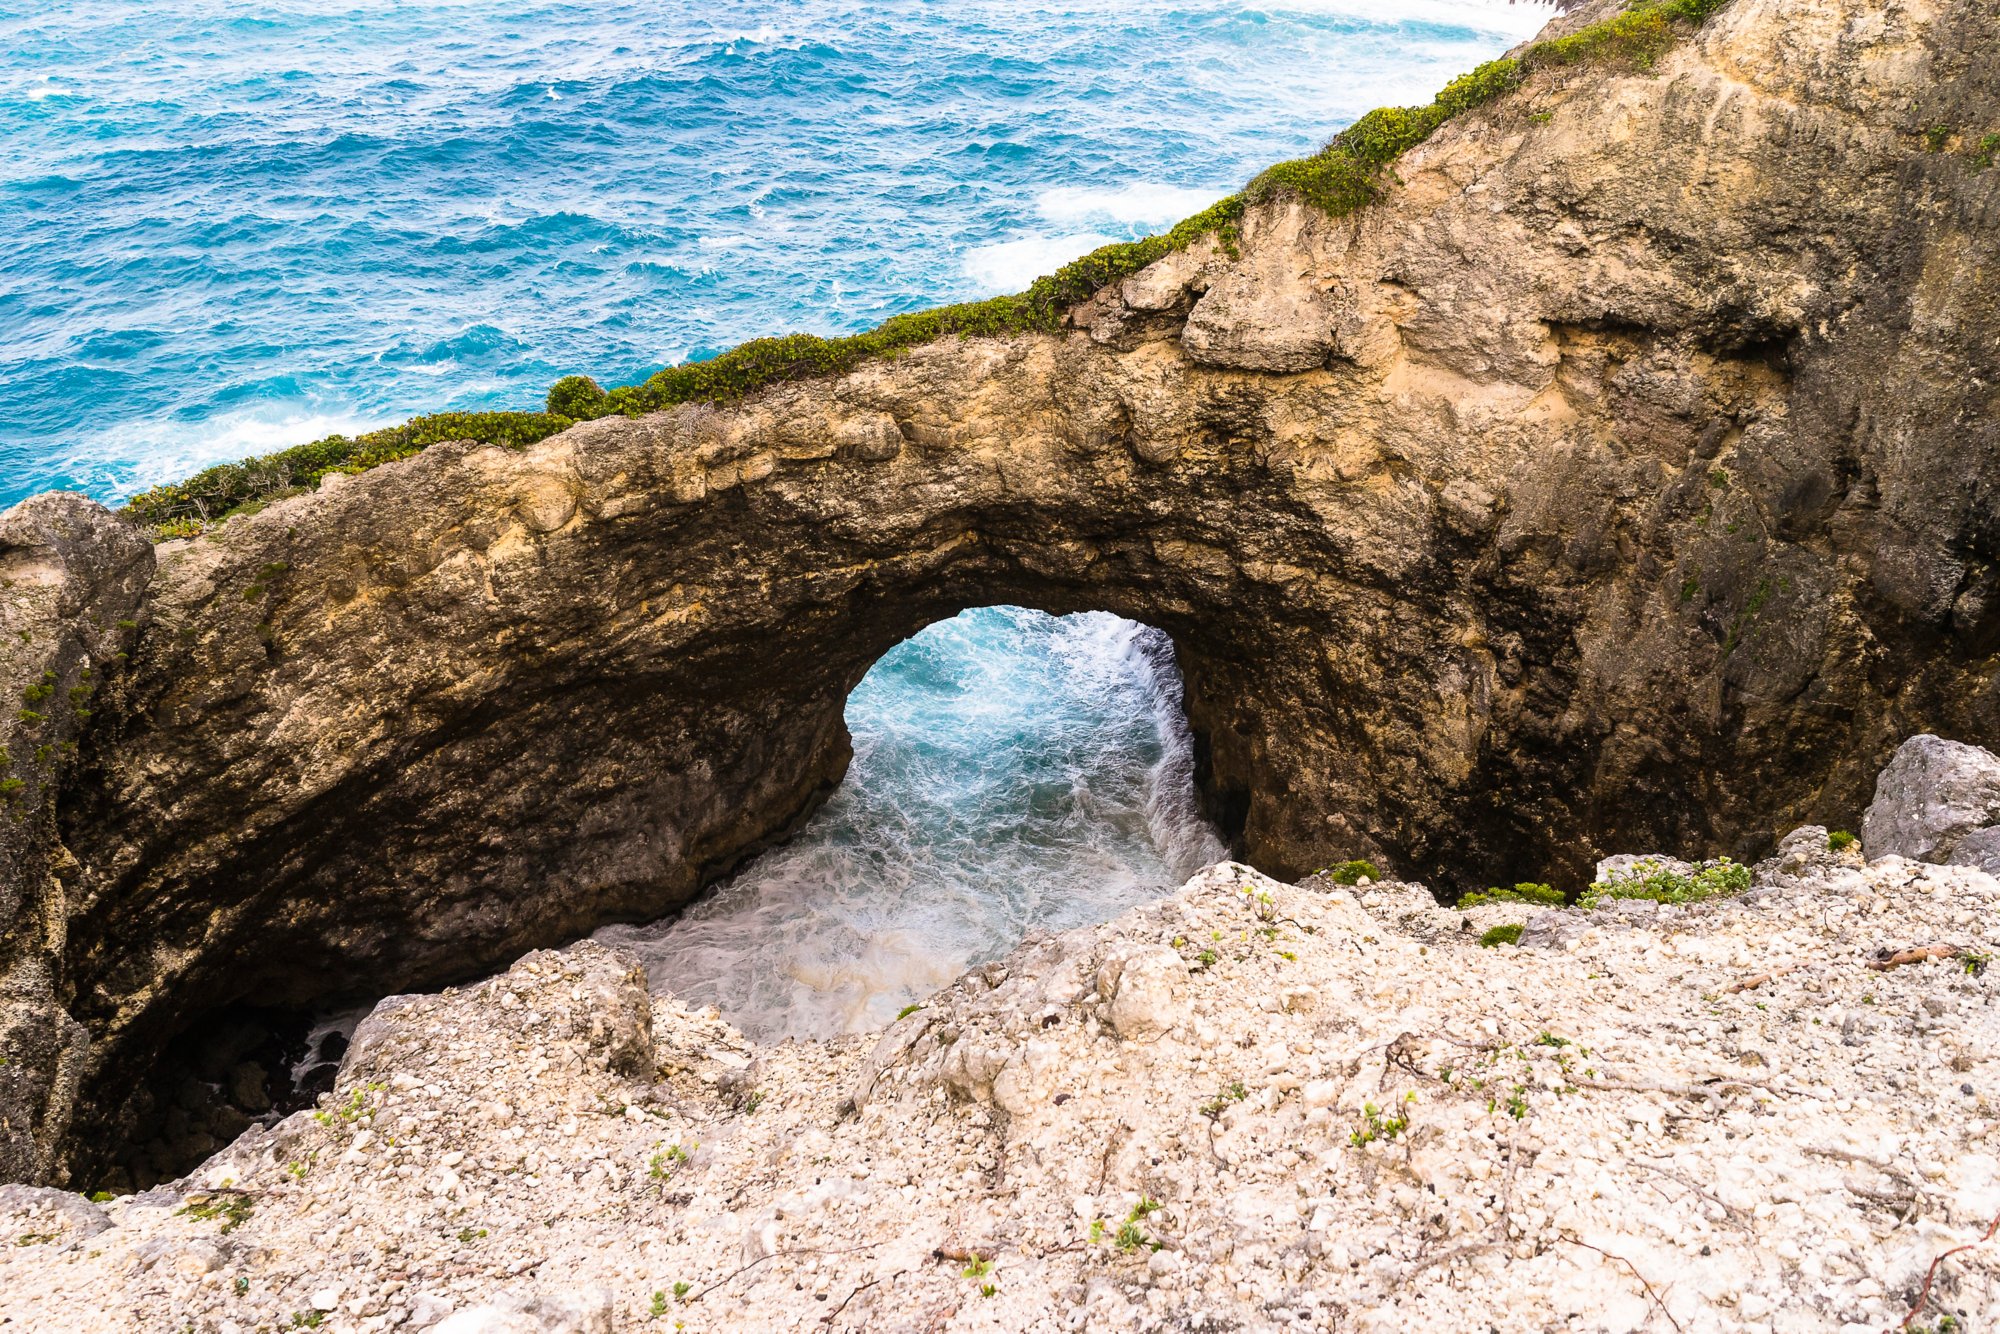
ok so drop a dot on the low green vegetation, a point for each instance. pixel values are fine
(233, 1208)
(1653, 880)
(1840, 841)
(1352, 873)
(1213, 1108)
(1526, 892)
(1349, 173)
(359, 1103)
(184, 508)
(1494, 937)
(1378, 1125)
(664, 1164)
(1130, 1236)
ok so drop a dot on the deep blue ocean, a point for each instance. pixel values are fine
(226, 228)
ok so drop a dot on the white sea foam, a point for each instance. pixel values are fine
(1012, 771)
(1010, 266)
(116, 462)
(1140, 204)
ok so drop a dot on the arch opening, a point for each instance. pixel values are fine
(1012, 771)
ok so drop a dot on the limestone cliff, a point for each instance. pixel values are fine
(1627, 474)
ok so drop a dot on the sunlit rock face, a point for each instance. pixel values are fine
(1626, 477)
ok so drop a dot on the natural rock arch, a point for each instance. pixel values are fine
(1598, 489)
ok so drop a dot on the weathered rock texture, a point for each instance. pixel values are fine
(1938, 801)
(1342, 1114)
(70, 580)
(1627, 476)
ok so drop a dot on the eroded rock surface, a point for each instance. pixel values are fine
(71, 579)
(1625, 477)
(1348, 1115)
(1936, 800)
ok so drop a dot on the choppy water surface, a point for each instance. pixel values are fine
(1011, 770)
(226, 228)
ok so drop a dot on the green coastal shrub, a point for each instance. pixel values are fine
(1526, 892)
(1346, 175)
(230, 488)
(579, 398)
(1653, 880)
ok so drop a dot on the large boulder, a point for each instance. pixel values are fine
(1937, 801)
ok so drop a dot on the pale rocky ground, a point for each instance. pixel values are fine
(1602, 1135)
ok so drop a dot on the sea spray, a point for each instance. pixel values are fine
(1012, 771)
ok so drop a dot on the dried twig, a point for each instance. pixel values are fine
(1761, 979)
(1885, 960)
(1574, 1240)
(1930, 1275)
(827, 1319)
(740, 1270)
(1739, 1217)
(1446, 1257)
(963, 1254)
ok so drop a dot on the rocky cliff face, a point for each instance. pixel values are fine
(1628, 473)
(69, 584)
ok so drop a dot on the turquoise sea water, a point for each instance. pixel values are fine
(1012, 770)
(227, 228)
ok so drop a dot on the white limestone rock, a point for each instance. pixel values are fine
(1932, 797)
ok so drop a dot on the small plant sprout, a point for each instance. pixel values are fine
(354, 1109)
(979, 1267)
(1376, 1126)
(658, 1307)
(1130, 1235)
(667, 1161)
(681, 1290)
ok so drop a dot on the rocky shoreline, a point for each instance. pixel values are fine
(1249, 1106)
